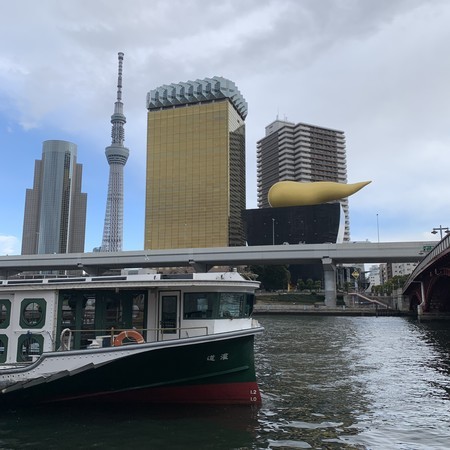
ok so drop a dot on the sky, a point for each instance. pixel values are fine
(377, 70)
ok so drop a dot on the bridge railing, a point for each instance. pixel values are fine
(439, 248)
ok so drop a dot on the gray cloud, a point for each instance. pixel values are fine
(377, 70)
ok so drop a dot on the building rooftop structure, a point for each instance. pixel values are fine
(198, 91)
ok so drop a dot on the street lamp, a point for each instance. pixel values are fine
(440, 229)
(273, 231)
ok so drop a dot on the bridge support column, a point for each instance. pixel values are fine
(329, 275)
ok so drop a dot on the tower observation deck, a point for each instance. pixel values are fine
(117, 156)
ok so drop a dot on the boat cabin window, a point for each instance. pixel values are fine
(217, 305)
(32, 313)
(5, 312)
(90, 314)
(3, 347)
(29, 345)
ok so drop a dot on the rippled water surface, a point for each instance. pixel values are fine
(327, 383)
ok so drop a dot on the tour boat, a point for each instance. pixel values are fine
(138, 338)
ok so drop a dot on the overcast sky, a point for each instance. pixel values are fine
(377, 70)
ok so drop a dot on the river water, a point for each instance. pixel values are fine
(327, 383)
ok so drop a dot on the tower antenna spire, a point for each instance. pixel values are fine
(118, 119)
(119, 78)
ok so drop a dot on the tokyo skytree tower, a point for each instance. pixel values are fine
(117, 156)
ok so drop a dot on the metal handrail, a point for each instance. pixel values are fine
(113, 332)
(69, 340)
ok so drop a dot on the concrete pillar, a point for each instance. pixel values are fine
(329, 274)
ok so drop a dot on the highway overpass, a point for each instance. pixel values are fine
(202, 259)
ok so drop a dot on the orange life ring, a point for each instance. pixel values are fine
(129, 334)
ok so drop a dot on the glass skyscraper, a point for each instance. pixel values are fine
(55, 208)
(195, 192)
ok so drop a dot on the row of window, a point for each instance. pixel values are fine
(32, 313)
(204, 305)
(211, 305)
(28, 345)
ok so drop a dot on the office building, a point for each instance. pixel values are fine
(304, 153)
(314, 224)
(117, 156)
(195, 191)
(55, 208)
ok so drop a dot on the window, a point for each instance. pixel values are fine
(3, 347)
(199, 305)
(215, 305)
(232, 305)
(32, 313)
(138, 310)
(5, 311)
(29, 345)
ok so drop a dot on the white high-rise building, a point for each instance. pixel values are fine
(301, 152)
(117, 156)
(374, 276)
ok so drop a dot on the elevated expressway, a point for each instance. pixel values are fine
(203, 259)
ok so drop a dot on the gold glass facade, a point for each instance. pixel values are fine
(195, 190)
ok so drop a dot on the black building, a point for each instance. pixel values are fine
(316, 224)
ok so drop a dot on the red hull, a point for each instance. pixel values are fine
(245, 393)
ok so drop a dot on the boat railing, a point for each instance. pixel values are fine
(65, 339)
(107, 338)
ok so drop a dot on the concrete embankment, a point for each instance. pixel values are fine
(266, 309)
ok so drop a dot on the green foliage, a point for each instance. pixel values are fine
(272, 278)
(311, 285)
(348, 286)
(394, 283)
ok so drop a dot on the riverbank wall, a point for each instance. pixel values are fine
(269, 309)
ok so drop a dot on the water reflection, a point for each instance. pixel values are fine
(175, 427)
(372, 383)
(308, 394)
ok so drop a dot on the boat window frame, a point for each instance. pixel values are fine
(212, 301)
(4, 355)
(42, 304)
(7, 304)
(20, 340)
(217, 304)
(79, 298)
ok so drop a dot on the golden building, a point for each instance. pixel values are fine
(195, 191)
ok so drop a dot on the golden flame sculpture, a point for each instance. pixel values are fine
(294, 193)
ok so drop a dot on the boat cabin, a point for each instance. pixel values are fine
(59, 314)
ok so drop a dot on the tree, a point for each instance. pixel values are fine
(309, 284)
(301, 285)
(317, 285)
(272, 277)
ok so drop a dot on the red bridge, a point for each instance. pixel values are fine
(428, 287)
